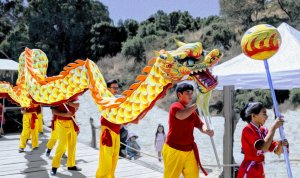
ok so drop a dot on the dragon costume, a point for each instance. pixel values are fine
(167, 68)
(33, 87)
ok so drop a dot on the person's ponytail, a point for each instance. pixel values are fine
(243, 114)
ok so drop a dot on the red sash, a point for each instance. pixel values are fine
(106, 138)
(195, 149)
(33, 116)
(63, 109)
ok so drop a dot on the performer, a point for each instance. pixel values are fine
(40, 119)
(256, 140)
(180, 153)
(30, 127)
(53, 138)
(67, 131)
(109, 141)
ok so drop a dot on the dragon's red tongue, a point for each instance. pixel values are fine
(205, 78)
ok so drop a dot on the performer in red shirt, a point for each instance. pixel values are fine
(180, 153)
(256, 140)
(67, 130)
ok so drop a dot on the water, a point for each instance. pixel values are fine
(275, 167)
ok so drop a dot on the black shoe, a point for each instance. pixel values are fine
(48, 152)
(21, 150)
(36, 148)
(74, 168)
(53, 171)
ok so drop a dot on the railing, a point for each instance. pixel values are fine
(94, 145)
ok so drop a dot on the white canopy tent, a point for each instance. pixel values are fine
(7, 64)
(245, 73)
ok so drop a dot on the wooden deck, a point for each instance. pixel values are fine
(35, 164)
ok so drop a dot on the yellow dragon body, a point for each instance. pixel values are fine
(168, 67)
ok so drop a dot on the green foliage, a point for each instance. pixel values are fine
(106, 39)
(149, 40)
(291, 9)
(246, 13)
(62, 28)
(11, 25)
(294, 97)
(16, 41)
(162, 21)
(218, 34)
(245, 96)
(134, 48)
(131, 27)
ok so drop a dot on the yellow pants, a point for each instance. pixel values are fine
(108, 157)
(53, 137)
(67, 137)
(27, 131)
(177, 162)
(40, 122)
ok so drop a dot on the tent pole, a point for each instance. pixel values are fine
(282, 135)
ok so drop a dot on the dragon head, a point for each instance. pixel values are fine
(188, 62)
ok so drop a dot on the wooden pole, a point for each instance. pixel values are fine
(93, 142)
(228, 96)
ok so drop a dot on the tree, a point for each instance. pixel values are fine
(184, 23)
(162, 21)
(62, 28)
(106, 39)
(134, 48)
(15, 43)
(242, 12)
(12, 28)
(131, 27)
(147, 29)
(291, 9)
(174, 19)
(218, 34)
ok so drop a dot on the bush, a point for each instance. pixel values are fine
(294, 97)
(118, 67)
(245, 96)
(134, 48)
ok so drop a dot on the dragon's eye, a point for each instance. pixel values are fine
(190, 62)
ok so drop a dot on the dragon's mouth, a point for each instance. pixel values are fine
(205, 80)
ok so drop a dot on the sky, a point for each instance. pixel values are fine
(141, 9)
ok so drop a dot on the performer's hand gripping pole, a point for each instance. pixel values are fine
(282, 135)
(203, 108)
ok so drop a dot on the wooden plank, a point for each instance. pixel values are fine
(37, 164)
(228, 96)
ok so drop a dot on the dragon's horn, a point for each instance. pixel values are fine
(156, 53)
(179, 43)
(169, 57)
